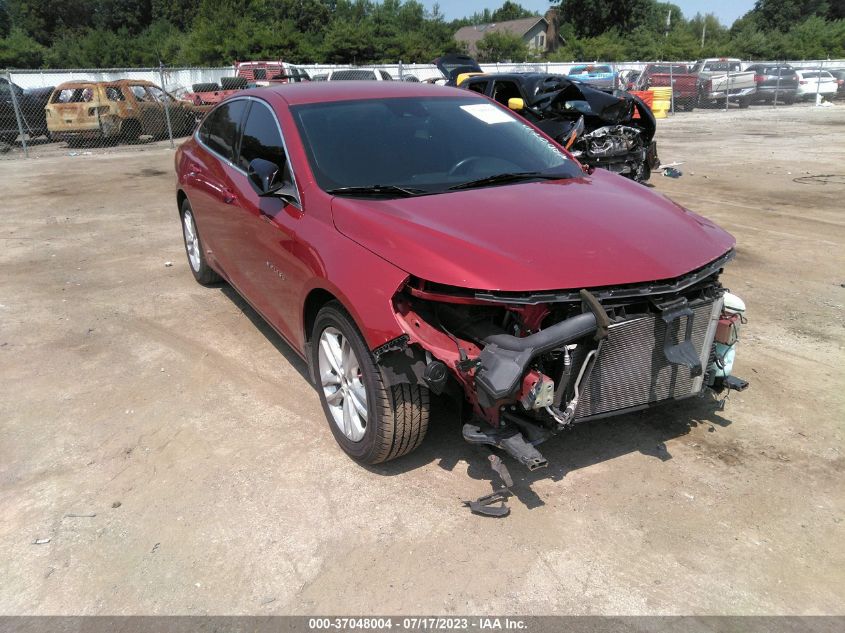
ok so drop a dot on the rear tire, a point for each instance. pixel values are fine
(394, 419)
(744, 102)
(194, 248)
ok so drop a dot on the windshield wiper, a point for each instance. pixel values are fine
(376, 190)
(508, 177)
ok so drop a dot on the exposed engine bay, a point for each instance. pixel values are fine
(614, 131)
(617, 148)
(532, 364)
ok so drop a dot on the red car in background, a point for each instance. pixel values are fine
(409, 239)
(684, 83)
(211, 93)
(266, 73)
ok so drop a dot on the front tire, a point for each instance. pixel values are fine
(371, 421)
(202, 272)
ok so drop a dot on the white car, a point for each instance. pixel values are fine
(359, 74)
(811, 82)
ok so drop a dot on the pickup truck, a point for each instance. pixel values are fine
(598, 76)
(683, 82)
(717, 75)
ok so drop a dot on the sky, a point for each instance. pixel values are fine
(726, 10)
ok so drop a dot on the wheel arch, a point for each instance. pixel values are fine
(181, 196)
(314, 302)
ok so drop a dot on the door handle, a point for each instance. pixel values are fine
(228, 195)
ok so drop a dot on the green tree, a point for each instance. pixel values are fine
(42, 19)
(132, 15)
(591, 18)
(179, 13)
(510, 11)
(782, 15)
(501, 47)
(19, 50)
(5, 20)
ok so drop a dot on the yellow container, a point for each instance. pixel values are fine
(662, 101)
(663, 93)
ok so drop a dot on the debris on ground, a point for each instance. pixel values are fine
(41, 541)
(168, 264)
(81, 516)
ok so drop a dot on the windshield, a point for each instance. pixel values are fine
(590, 70)
(715, 67)
(669, 68)
(426, 145)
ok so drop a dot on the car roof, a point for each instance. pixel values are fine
(319, 91)
(81, 83)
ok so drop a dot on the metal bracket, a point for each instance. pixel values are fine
(485, 505)
(684, 352)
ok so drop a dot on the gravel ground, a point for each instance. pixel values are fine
(167, 444)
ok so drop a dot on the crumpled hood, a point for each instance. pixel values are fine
(599, 230)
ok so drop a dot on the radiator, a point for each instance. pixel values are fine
(632, 371)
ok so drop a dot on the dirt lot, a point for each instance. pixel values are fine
(185, 427)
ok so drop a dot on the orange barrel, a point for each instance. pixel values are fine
(647, 96)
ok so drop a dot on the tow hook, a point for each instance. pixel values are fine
(485, 505)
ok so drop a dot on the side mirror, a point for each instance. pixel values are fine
(263, 175)
(516, 104)
(269, 180)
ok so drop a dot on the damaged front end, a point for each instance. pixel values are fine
(611, 131)
(617, 148)
(532, 364)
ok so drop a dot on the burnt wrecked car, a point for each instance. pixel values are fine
(614, 131)
(487, 264)
(125, 109)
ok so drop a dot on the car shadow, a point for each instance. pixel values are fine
(586, 444)
(262, 326)
(583, 445)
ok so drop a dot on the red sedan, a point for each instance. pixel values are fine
(409, 239)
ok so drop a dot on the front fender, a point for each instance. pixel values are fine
(365, 288)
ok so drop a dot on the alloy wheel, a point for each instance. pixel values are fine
(342, 383)
(192, 240)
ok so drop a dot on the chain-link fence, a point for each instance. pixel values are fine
(44, 112)
(75, 111)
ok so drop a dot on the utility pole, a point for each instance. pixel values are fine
(703, 30)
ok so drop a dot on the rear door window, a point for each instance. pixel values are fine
(221, 128)
(478, 86)
(140, 93)
(157, 94)
(113, 93)
(261, 137)
(79, 94)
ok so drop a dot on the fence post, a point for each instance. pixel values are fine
(18, 116)
(166, 104)
(728, 87)
(672, 86)
(777, 86)
(818, 83)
